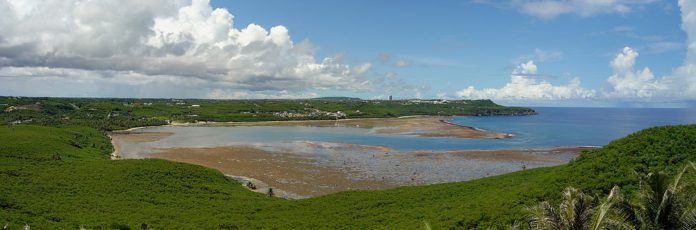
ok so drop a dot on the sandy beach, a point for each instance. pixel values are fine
(133, 136)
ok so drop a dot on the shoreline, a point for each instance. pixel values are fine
(299, 175)
(115, 155)
(423, 126)
(263, 188)
(360, 167)
(506, 135)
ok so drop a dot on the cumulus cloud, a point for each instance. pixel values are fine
(173, 39)
(523, 86)
(549, 9)
(628, 83)
(688, 15)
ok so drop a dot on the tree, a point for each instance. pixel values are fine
(574, 212)
(659, 204)
(664, 205)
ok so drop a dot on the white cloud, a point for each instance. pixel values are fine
(522, 86)
(688, 15)
(401, 63)
(627, 83)
(684, 77)
(173, 38)
(549, 9)
(284, 94)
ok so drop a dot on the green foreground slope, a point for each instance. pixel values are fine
(82, 187)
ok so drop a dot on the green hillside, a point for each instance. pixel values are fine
(123, 113)
(62, 178)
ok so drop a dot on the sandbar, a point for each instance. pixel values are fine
(424, 126)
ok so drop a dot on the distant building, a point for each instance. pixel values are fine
(390, 97)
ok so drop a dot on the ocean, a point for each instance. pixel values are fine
(578, 126)
(552, 127)
(328, 148)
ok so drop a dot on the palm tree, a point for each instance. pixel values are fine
(580, 211)
(660, 204)
(665, 205)
(614, 213)
(574, 212)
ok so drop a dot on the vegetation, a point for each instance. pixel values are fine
(113, 114)
(660, 204)
(62, 178)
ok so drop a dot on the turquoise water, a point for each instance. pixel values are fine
(553, 127)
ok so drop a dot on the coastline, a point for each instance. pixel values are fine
(263, 188)
(115, 155)
(423, 126)
(360, 167)
(447, 121)
(420, 120)
(294, 175)
(132, 136)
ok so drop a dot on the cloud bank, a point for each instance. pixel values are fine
(625, 84)
(628, 83)
(523, 86)
(179, 43)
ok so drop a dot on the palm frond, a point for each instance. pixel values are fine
(614, 213)
(544, 216)
(688, 220)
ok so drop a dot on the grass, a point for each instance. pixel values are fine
(84, 188)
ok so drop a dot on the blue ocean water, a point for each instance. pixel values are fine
(552, 127)
(579, 126)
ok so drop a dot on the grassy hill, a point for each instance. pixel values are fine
(62, 178)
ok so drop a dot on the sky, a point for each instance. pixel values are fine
(634, 53)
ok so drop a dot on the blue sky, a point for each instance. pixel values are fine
(527, 52)
(472, 43)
